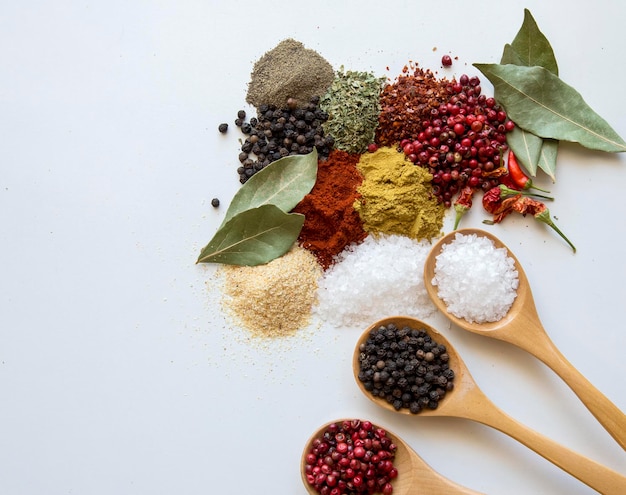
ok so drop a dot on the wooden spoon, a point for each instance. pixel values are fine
(415, 476)
(468, 401)
(521, 326)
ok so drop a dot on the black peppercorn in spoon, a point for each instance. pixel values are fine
(415, 476)
(466, 400)
(522, 327)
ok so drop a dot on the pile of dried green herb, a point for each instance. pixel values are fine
(353, 104)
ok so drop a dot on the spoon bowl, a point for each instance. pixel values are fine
(415, 476)
(466, 400)
(522, 327)
(523, 306)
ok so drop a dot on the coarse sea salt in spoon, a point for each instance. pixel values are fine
(466, 400)
(522, 327)
(415, 476)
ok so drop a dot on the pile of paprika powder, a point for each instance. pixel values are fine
(331, 222)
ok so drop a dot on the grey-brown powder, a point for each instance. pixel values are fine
(289, 71)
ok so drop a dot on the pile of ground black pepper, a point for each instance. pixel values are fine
(406, 367)
(279, 132)
(289, 71)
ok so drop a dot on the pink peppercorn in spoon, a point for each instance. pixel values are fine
(466, 400)
(415, 476)
(522, 327)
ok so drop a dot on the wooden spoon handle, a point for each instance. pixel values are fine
(429, 481)
(607, 413)
(597, 476)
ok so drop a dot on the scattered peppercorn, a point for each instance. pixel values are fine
(406, 367)
(223, 128)
(215, 202)
(278, 132)
(462, 141)
(350, 457)
(241, 114)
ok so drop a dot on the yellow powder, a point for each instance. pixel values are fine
(396, 196)
(275, 299)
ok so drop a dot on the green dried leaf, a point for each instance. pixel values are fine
(353, 105)
(540, 102)
(532, 47)
(547, 157)
(253, 237)
(527, 148)
(282, 183)
(510, 56)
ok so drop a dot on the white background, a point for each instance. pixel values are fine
(118, 373)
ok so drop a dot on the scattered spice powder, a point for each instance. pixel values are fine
(289, 71)
(353, 105)
(407, 102)
(331, 222)
(272, 300)
(396, 196)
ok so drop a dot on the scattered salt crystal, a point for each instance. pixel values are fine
(476, 280)
(380, 277)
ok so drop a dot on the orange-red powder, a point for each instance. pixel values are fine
(331, 222)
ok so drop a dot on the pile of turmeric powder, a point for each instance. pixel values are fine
(396, 196)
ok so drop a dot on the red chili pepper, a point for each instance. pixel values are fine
(463, 203)
(517, 175)
(507, 180)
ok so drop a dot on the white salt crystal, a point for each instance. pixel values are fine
(476, 280)
(382, 276)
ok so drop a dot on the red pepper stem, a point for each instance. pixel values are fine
(507, 191)
(530, 185)
(544, 217)
(460, 211)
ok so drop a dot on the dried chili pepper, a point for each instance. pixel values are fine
(502, 200)
(499, 202)
(463, 203)
(517, 175)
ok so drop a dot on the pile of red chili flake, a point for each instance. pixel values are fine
(407, 102)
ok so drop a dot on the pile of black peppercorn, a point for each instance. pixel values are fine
(406, 367)
(276, 133)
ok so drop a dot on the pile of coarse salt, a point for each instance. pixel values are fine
(476, 280)
(380, 277)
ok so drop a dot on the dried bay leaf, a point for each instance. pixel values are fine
(510, 56)
(547, 157)
(527, 148)
(253, 237)
(282, 183)
(257, 227)
(531, 47)
(540, 102)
